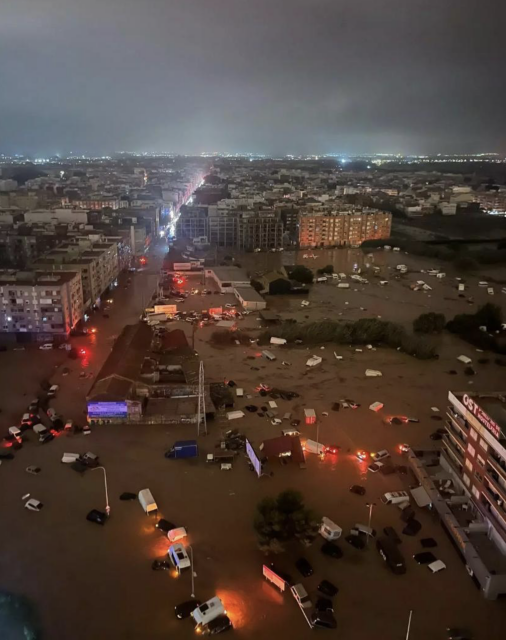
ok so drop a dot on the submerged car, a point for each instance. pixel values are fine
(184, 609)
(304, 567)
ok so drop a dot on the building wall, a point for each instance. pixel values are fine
(45, 307)
(343, 228)
(480, 459)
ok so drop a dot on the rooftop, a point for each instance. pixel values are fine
(230, 273)
(248, 294)
(488, 408)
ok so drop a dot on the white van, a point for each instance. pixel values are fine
(269, 355)
(147, 502)
(300, 595)
(365, 530)
(179, 557)
(314, 447)
(395, 497)
(208, 611)
(69, 458)
(329, 530)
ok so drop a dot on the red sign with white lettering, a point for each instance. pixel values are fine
(481, 416)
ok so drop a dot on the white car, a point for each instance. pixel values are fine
(380, 455)
(230, 306)
(179, 557)
(33, 505)
(46, 347)
(375, 467)
(177, 534)
(276, 421)
(437, 566)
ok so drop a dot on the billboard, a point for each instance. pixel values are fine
(216, 311)
(168, 309)
(481, 416)
(257, 465)
(107, 409)
(182, 266)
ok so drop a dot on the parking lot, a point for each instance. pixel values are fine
(90, 581)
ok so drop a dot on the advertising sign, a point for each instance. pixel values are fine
(257, 465)
(481, 416)
(182, 266)
(216, 311)
(168, 309)
(107, 409)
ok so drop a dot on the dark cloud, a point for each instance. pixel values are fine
(270, 76)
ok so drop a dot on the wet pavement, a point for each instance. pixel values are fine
(96, 582)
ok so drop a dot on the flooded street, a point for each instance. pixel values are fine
(96, 582)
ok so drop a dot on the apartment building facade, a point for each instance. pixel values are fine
(475, 447)
(97, 264)
(39, 306)
(343, 228)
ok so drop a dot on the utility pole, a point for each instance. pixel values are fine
(107, 507)
(201, 409)
(371, 506)
(409, 625)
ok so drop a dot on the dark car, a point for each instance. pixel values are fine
(458, 634)
(105, 315)
(358, 489)
(356, 541)
(161, 565)
(218, 625)
(412, 528)
(184, 609)
(327, 588)
(425, 557)
(391, 533)
(96, 516)
(46, 437)
(165, 526)
(428, 543)
(438, 434)
(6, 455)
(332, 550)
(324, 604)
(304, 567)
(323, 620)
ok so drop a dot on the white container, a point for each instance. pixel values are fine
(147, 502)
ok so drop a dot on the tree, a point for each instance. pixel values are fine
(280, 287)
(258, 286)
(328, 269)
(283, 518)
(302, 274)
(429, 323)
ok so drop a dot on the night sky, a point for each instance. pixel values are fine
(260, 76)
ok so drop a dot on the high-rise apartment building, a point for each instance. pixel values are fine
(40, 305)
(343, 227)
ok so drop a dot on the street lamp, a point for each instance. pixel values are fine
(107, 507)
(193, 573)
(371, 506)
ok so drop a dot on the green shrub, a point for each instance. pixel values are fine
(429, 323)
(301, 274)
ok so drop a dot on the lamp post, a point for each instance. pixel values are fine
(193, 573)
(409, 624)
(107, 507)
(371, 506)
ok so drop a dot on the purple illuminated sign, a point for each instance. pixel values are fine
(107, 409)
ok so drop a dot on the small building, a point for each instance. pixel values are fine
(249, 298)
(228, 278)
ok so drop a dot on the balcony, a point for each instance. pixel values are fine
(491, 497)
(495, 484)
(495, 462)
(456, 437)
(459, 422)
(454, 455)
